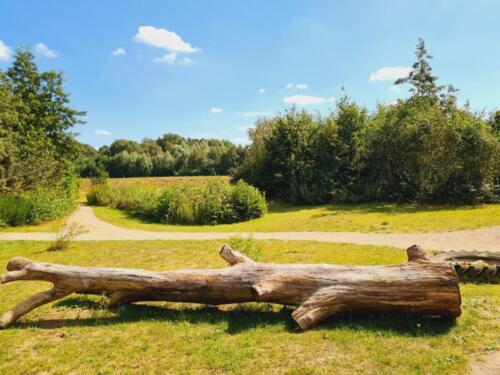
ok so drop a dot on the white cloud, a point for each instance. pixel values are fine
(390, 73)
(331, 99)
(262, 91)
(304, 99)
(102, 133)
(169, 58)
(299, 86)
(5, 51)
(216, 110)
(119, 52)
(42, 49)
(254, 114)
(163, 38)
(394, 88)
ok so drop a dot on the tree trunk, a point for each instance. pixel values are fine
(420, 286)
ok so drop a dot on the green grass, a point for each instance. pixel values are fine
(372, 217)
(79, 335)
(48, 226)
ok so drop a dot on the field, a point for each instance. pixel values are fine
(365, 217)
(79, 335)
(334, 218)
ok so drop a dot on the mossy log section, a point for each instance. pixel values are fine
(420, 286)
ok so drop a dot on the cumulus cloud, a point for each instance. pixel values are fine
(299, 86)
(43, 50)
(169, 58)
(5, 51)
(216, 110)
(163, 38)
(119, 52)
(102, 133)
(390, 73)
(253, 114)
(304, 99)
(262, 91)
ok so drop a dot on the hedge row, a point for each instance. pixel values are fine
(214, 203)
(34, 207)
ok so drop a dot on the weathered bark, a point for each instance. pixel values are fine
(420, 286)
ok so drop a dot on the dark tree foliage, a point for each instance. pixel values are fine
(35, 121)
(169, 155)
(37, 149)
(422, 149)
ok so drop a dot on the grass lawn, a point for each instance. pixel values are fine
(372, 217)
(48, 226)
(79, 335)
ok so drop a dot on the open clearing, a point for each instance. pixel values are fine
(74, 335)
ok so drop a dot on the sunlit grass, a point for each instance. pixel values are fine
(79, 335)
(48, 226)
(371, 217)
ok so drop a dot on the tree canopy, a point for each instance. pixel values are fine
(169, 155)
(422, 149)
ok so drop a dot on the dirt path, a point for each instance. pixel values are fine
(487, 365)
(484, 239)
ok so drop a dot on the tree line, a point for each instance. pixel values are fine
(425, 148)
(169, 155)
(422, 149)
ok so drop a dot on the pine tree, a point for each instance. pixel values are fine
(420, 77)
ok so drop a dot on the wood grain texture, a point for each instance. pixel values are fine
(421, 286)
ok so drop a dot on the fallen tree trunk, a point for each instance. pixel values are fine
(420, 286)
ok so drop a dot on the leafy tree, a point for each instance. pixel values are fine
(35, 123)
(422, 149)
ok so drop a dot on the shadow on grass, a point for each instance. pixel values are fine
(375, 207)
(244, 317)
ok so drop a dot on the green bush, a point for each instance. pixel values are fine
(215, 203)
(423, 149)
(34, 207)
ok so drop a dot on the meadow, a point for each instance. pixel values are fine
(80, 335)
(369, 217)
(364, 217)
(285, 217)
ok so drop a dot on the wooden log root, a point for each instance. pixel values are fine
(473, 266)
(421, 286)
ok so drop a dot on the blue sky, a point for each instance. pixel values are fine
(208, 68)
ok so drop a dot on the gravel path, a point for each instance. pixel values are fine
(486, 365)
(483, 239)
